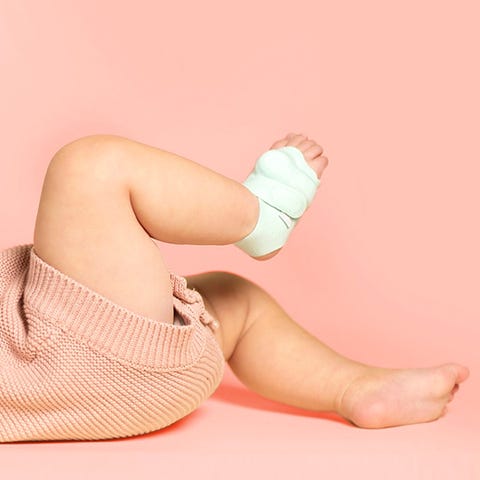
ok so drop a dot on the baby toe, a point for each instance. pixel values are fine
(319, 164)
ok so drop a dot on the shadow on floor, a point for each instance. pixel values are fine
(246, 398)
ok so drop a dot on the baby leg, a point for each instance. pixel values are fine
(103, 199)
(277, 358)
(106, 196)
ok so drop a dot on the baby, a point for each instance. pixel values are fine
(106, 342)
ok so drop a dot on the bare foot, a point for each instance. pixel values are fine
(312, 152)
(383, 397)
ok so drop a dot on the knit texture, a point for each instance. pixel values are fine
(74, 365)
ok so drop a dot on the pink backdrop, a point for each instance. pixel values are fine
(385, 265)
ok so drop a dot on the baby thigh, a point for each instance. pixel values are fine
(86, 228)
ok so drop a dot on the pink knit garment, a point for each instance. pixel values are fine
(74, 365)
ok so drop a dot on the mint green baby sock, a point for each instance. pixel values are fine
(285, 186)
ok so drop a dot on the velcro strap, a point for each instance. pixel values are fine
(283, 179)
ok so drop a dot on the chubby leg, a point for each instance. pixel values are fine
(277, 358)
(103, 199)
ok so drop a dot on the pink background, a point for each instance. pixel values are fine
(384, 267)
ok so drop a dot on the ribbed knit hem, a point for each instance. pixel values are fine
(113, 330)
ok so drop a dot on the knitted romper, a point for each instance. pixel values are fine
(74, 365)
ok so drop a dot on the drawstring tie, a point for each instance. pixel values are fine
(194, 298)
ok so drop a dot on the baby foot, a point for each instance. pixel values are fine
(383, 397)
(312, 152)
